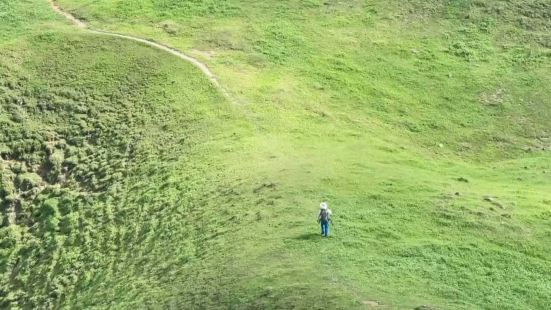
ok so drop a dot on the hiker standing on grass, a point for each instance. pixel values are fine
(324, 217)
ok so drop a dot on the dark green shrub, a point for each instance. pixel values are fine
(27, 181)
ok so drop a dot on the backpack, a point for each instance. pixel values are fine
(324, 216)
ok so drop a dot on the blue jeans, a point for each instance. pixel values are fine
(325, 228)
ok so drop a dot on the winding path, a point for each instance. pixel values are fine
(197, 63)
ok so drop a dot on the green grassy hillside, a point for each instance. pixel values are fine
(130, 181)
(470, 72)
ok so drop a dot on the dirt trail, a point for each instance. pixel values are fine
(197, 63)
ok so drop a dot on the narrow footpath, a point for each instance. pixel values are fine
(197, 63)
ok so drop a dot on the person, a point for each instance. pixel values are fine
(324, 217)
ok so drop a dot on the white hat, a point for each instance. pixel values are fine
(323, 205)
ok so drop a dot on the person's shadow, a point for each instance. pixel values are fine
(307, 236)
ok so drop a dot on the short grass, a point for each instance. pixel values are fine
(135, 184)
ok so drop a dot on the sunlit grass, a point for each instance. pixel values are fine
(137, 185)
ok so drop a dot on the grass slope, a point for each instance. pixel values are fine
(135, 184)
(469, 71)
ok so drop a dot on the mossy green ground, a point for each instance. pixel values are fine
(136, 184)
